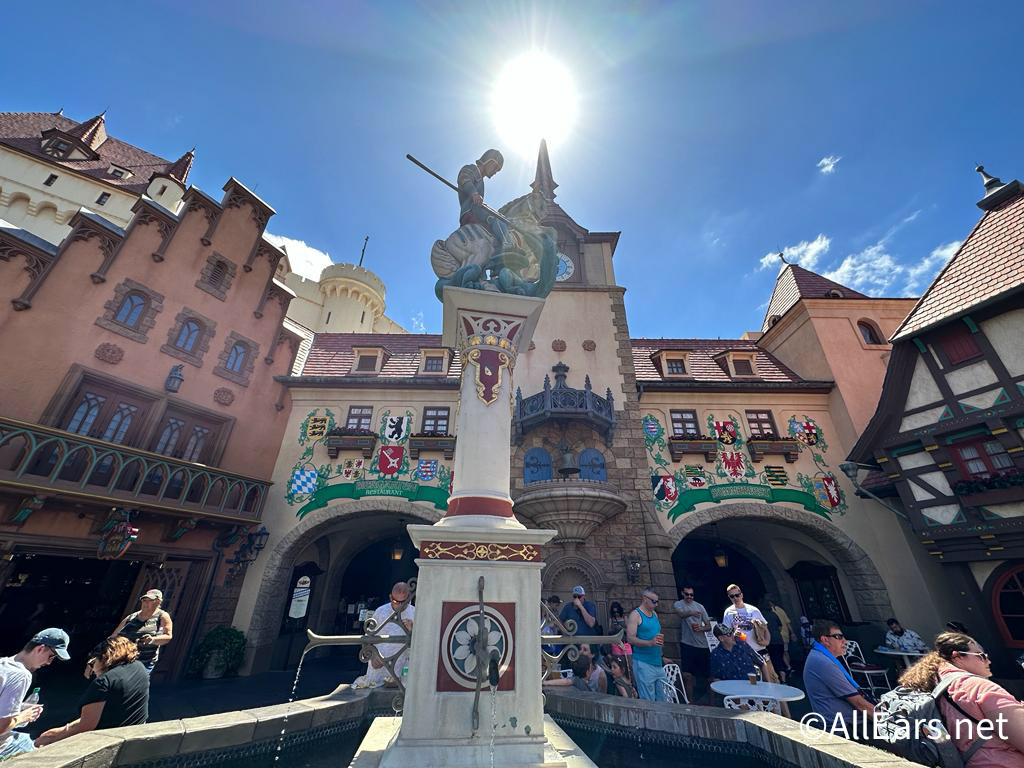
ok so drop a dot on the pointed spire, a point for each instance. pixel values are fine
(543, 182)
(180, 168)
(991, 182)
(93, 132)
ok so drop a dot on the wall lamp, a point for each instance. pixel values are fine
(633, 567)
(850, 469)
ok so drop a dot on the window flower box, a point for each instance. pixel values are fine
(344, 439)
(760, 447)
(432, 441)
(1006, 487)
(680, 446)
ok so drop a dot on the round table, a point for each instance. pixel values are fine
(909, 657)
(776, 691)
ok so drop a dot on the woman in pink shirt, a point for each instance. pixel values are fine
(975, 697)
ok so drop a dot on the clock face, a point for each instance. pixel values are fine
(565, 268)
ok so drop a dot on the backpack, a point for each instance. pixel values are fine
(903, 706)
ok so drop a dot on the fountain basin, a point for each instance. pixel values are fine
(324, 732)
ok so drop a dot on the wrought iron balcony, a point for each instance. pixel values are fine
(50, 462)
(563, 403)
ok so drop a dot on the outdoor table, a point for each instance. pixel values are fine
(776, 691)
(909, 657)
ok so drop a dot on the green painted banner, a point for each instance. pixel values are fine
(688, 500)
(411, 491)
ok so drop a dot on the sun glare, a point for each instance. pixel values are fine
(534, 98)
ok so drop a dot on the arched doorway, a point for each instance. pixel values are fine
(776, 540)
(354, 545)
(709, 565)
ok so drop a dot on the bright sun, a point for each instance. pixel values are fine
(534, 98)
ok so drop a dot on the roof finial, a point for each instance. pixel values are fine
(59, 112)
(782, 257)
(990, 182)
(543, 181)
(362, 253)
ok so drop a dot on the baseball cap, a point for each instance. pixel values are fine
(54, 638)
(579, 591)
(153, 594)
(722, 629)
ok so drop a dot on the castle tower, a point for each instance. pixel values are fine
(353, 299)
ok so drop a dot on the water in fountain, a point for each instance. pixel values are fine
(291, 698)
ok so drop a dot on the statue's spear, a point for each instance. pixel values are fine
(447, 183)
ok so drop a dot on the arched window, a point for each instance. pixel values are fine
(868, 333)
(236, 357)
(834, 294)
(536, 466)
(188, 335)
(592, 466)
(1008, 606)
(131, 308)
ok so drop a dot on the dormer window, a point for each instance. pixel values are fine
(58, 148)
(868, 333)
(743, 367)
(367, 360)
(433, 362)
(834, 294)
(672, 363)
(737, 364)
(119, 173)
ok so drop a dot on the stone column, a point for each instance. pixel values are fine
(479, 538)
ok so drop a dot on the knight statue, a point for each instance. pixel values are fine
(507, 250)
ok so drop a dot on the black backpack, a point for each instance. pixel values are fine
(934, 747)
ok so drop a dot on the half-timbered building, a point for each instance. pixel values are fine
(948, 434)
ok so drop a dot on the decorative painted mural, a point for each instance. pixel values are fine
(389, 472)
(734, 474)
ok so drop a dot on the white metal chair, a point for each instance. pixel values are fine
(860, 669)
(752, 704)
(676, 687)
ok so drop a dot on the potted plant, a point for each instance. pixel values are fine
(220, 653)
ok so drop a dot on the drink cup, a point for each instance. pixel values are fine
(752, 678)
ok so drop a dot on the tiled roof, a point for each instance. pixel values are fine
(701, 364)
(22, 131)
(988, 264)
(331, 355)
(795, 283)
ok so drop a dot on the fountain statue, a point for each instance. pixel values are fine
(472, 696)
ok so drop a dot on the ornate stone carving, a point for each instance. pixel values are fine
(109, 353)
(558, 345)
(470, 550)
(589, 345)
(223, 396)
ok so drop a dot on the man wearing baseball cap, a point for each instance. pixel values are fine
(149, 627)
(15, 679)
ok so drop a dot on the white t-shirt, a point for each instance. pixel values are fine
(14, 682)
(743, 620)
(392, 628)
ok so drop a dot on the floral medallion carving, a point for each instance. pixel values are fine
(589, 345)
(558, 345)
(223, 396)
(109, 353)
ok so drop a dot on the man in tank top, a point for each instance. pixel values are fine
(149, 628)
(643, 630)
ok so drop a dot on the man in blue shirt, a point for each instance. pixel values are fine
(580, 610)
(731, 660)
(830, 687)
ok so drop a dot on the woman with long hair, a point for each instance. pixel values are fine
(972, 697)
(621, 684)
(118, 695)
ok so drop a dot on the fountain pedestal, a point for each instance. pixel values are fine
(478, 559)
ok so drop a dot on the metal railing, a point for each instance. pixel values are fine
(46, 461)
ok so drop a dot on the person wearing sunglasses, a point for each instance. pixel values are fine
(694, 653)
(746, 620)
(971, 696)
(643, 630)
(830, 686)
(399, 606)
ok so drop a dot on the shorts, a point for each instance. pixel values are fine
(17, 743)
(696, 661)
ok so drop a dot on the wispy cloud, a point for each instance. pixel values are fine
(920, 274)
(875, 270)
(304, 259)
(827, 165)
(416, 322)
(805, 253)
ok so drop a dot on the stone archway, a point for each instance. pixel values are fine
(273, 589)
(866, 585)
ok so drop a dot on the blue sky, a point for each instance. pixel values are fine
(710, 134)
